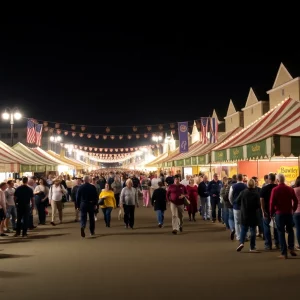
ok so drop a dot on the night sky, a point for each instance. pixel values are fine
(103, 74)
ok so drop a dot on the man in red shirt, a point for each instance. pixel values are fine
(283, 203)
(175, 194)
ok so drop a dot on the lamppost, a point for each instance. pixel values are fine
(11, 114)
(55, 139)
(157, 138)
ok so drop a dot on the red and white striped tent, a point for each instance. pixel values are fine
(10, 160)
(282, 120)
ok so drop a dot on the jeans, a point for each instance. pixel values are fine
(205, 207)
(40, 206)
(244, 230)
(85, 209)
(297, 224)
(215, 203)
(107, 215)
(267, 233)
(23, 213)
(12, 211)
(160, 216)
(129, 215)
(231, 219)
(117, 197)
(284, 222)
(237, 223)
(225, 215)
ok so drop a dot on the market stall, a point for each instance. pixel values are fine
(270, 144)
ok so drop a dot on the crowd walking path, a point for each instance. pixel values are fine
(144, 263)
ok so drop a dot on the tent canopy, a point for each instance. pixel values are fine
(29, 153)
(282, 120)
(46, 155)
(76, 164)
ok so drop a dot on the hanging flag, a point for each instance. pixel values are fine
(213, 130)
(30, 131)
(38, 134)
(183, 137)
(204, 130)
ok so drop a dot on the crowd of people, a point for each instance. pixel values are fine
(247, 210)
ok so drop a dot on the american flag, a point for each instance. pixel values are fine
(204, 125)
(30, 131)
(38, 134)
(213, 130)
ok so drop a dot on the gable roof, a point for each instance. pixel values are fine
(283, 76)
(231, 109)
(251, 99)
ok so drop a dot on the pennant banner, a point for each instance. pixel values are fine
(183, 137)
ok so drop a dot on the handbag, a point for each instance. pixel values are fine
(186, 201)
(101, 201)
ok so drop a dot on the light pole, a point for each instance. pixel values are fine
(157, 138)
(11, 114)
(55, 139)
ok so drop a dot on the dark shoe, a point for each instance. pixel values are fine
(240, 247)
(174, 231)
(53, 224)
(159, 225)
(194, 220)
(16, 235)
(180, 229)
(82, 232)
(277, 247)
(92, 234)
(232, 235)
(3, 234)
(293, 253)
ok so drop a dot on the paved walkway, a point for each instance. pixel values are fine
(145, 263)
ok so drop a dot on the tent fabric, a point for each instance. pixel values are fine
(82, 163)
(157, 160)
(22, 149)
(282, 120)
(46, 155)
(9, 154)
(169, 157)
(68, 161)
(199, 148)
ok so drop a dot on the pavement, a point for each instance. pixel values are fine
(144, 263)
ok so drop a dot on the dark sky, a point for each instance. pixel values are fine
(104, 74)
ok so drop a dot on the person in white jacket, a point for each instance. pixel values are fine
(56, 193)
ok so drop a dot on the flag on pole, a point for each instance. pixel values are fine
(213, 130)
(204, 130)
(30, 131)
(38, 134)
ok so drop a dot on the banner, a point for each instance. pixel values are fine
(183, 137)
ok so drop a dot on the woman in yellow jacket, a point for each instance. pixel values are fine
(109, 203)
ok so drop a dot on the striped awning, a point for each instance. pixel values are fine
(46, 155)
(282, 120)
(9, 155)
(199, 148)
(157, 160)
(29, 153)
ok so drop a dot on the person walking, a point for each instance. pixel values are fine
(283, 203)
(159, 203)
(23, 198)
(129, 200)
(109, 203)
(86, 202)
(176, 194)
